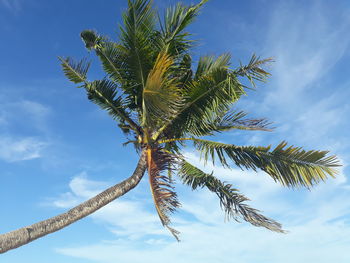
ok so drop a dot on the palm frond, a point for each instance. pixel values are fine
(176, 19)
(291, 166)
(75, 71)
(232, 120)
(110, 53)
(253, 70)
(137, 35)
(164, 197)
(104, 93)
(161, 97)
(211, 94)
(184, 71)
(208, 64)
(207, 97)
(113, 58)
(248, 125)
(231, 201)
(235, 120)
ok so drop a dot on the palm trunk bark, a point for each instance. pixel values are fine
(27, 234)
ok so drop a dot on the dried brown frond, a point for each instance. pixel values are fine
(164, 196)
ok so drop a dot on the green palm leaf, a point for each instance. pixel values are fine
(104, 94)
(206, 98)
(208, 64)
(137, 36)
(184, 71)
(253, 70)
(291, 166)
(114, 59)
(176, 19)
(231, 201)
(234, 120)
(75, 71)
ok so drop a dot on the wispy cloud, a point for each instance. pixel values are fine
(14, 149)
(21, 130)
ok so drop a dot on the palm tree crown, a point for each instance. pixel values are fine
(161, 101)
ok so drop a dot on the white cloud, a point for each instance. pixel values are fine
(19, 149)
(20, 123)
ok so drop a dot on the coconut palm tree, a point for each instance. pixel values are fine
(163, 101)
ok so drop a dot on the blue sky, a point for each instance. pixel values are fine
(57, 149)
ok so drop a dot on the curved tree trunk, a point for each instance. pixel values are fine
(27, 234)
